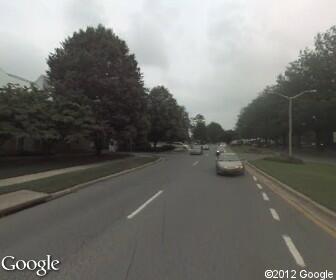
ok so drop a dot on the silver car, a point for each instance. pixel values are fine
(196, 150)
(230, 164)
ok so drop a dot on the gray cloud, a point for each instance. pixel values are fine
(148, 43)
(22, 59)
(214, 56)
(81, 13)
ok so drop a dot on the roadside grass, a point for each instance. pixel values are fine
(245, 149)
(60, 182)
(315, 180)
(17, 166)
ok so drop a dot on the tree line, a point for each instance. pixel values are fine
(96, 92)
(314, 114)
(212, 132)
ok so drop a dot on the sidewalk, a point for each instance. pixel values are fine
(45, 174)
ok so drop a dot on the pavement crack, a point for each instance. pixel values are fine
(132, 257)
(163, 225)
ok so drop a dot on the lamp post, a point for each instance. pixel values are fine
(290, 115)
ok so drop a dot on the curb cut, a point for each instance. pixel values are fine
(52, 196)
(318, 213)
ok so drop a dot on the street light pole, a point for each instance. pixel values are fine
(290, 127)
(290, 116)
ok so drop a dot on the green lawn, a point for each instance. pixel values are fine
(250, 149)
(63, 181)
(316, 180)
(17, 166)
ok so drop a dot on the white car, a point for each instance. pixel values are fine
(205, 147)
(196, 150)
(180, 146)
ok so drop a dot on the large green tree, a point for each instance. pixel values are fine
(267, 115)
(169, 121)
(199, 130)
(26, 112)
(96, 64)
(215, 132)
(39, 115)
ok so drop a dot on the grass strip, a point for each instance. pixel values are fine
(315, 180)
(60, 182)
(18, 166)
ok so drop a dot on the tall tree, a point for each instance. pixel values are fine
(199, 129)
(96, 64)
(168, 120)
(215, 132)
(314, 69)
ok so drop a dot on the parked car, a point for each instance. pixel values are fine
(196, 150)
(230, 164)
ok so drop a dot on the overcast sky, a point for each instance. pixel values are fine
(214, 56)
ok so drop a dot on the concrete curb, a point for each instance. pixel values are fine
(317, 212)
(86, 184)
(49, 197)
(23, 205)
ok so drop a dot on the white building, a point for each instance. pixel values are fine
(6, 78)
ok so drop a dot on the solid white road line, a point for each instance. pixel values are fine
(274, 214)
(144, 205)
(254, 178)
(195, 163)
(291, 247)
(265, 196)
(259, 186)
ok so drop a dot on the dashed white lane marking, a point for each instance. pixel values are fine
(254, 178)
(259, 186)
(195, 163)
(291, 247)
(265, 196)
(274, 214)
(144, 205)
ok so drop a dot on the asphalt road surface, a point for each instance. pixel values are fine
(175, 220)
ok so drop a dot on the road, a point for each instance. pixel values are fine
(174, 220)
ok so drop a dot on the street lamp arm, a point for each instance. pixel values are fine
(282, 95)
(303, 92)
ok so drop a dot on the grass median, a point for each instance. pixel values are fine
(315, 180)
(60, 182)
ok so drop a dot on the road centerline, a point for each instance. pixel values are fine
(274, 214)
(294, 251)
(259, 186)
(265, 196)
(254, 178)
(130, 216)
(195, 163)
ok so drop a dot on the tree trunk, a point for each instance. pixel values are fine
(20, 145)
(98, 142)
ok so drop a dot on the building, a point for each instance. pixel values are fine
(14, 145)
(7, 78)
